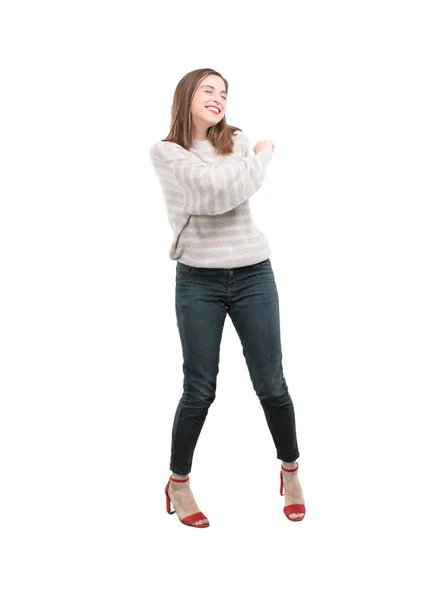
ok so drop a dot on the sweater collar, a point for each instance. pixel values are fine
(202, 143)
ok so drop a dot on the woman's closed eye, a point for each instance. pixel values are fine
(209, 92)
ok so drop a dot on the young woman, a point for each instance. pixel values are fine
(207, 177)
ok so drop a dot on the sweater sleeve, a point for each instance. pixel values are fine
(211, 189)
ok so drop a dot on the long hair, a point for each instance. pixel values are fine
(181, 132)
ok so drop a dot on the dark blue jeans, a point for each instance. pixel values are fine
(203, 298)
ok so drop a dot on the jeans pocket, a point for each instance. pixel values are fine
(182, 268)
(264, 263)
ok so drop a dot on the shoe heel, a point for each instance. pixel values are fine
(281, 476)
(168, 501)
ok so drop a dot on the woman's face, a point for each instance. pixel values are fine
(210, 93)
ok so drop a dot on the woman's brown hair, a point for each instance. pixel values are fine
(220, 135)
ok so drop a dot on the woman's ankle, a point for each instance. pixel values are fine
(177, 476)
(289, 465)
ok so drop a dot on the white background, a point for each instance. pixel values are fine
(91, 364)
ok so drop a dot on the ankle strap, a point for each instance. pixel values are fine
(180, 480)
(290, 470)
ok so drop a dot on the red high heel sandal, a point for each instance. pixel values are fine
(190, 519)
(291, 508)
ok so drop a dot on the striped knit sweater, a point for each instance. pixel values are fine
(207, 201)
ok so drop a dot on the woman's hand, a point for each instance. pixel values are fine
(263, 145)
